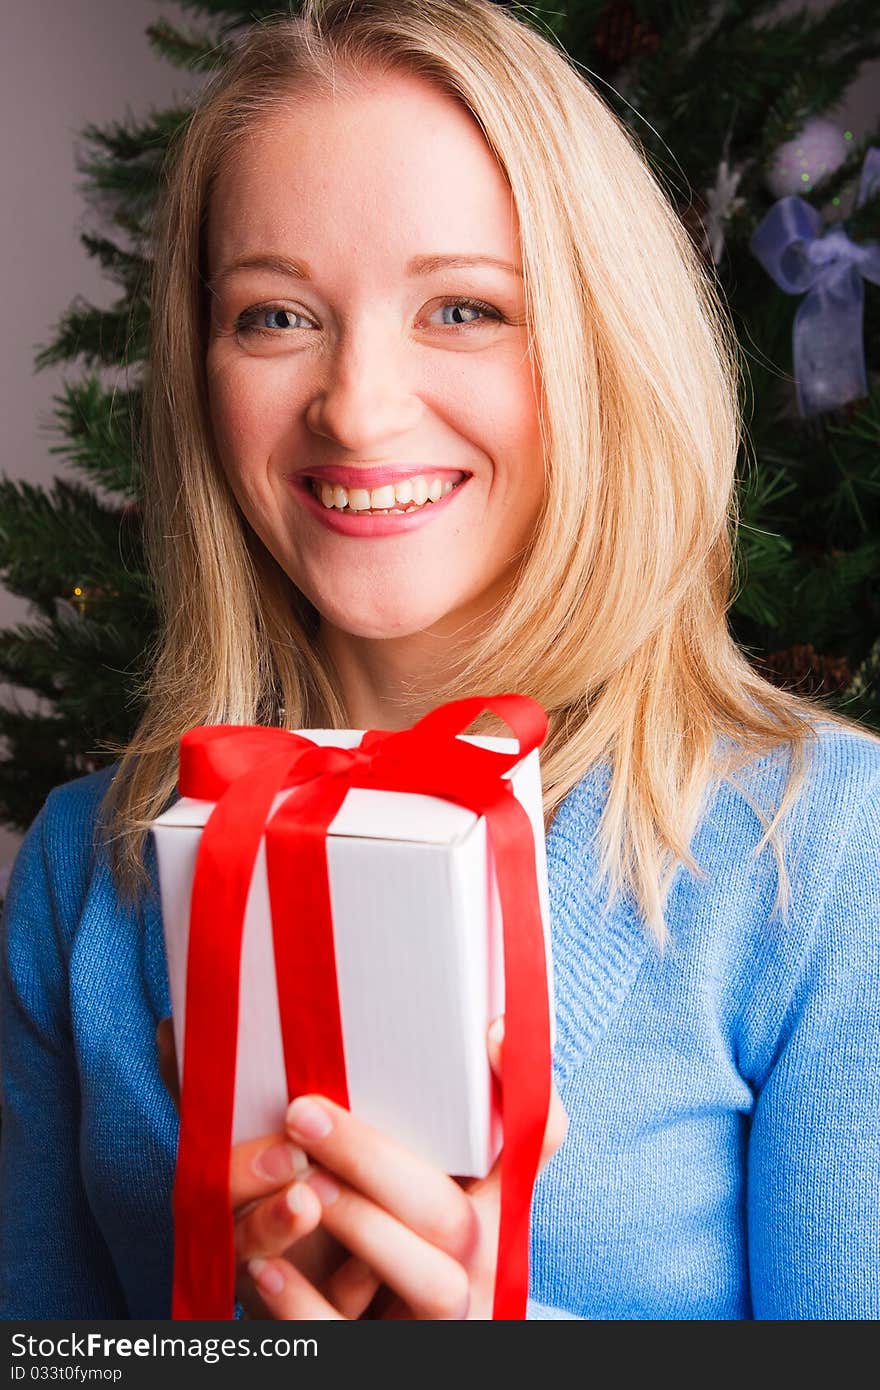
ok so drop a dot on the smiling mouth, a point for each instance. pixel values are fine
(412, 495)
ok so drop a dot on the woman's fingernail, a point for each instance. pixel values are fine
(294, 1197)
(267, 1277)
(307, 1120)
(281, 1162)
(496, 1031)
(325, 1188)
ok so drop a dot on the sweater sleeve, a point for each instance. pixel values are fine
(54, 1262)
(814, 1149)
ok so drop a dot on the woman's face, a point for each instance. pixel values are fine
(340, 357)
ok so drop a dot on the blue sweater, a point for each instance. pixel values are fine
(723, 1157)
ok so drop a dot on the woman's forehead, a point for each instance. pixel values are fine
(400, 161)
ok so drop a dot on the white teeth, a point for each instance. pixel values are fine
(408, 494)
(382, 497)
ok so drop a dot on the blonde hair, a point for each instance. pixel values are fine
(617, 619)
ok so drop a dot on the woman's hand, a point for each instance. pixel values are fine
(407, 1240)
(274, 1211)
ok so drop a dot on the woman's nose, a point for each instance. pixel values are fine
(368, 395)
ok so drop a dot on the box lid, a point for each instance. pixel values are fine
(369, 814)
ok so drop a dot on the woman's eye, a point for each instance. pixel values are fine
(257, 320)
(469, 306)
(465, 314)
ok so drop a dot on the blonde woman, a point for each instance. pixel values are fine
(404, 245)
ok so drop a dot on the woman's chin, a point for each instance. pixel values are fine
(382, 622)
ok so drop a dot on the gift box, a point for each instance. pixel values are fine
(344, 913)
(417, 933)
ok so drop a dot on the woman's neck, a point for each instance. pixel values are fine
(385, 683)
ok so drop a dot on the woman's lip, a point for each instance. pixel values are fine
(365, 526)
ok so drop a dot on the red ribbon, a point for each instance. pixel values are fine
(243, 768)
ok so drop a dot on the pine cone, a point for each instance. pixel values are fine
(620, 36)
(807, 671)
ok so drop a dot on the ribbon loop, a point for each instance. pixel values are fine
(829, 269)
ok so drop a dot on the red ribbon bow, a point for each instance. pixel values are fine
(243, 768)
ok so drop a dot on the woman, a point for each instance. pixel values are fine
(405, 244)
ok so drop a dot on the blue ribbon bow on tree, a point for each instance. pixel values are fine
(829, 268)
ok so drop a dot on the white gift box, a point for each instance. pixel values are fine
(417, 932)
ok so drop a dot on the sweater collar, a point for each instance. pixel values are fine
(596, 955)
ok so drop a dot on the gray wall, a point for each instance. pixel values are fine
(67, 63)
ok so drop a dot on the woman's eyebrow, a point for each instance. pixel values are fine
(426, 265)
(419, 265)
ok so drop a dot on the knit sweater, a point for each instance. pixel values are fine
(723, 1154)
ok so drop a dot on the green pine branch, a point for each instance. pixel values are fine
(131, 141)
(128, 268)
(194, 51)
(100, 430)
(69, 659)
(730, 75)
(763, 556)
(54, 539)
(100, 337)
(829, 595)
(237, 15)
(121, 163)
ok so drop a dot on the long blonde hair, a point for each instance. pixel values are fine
(617, 620)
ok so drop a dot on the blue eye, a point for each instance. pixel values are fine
(485, 310)
(249, 323)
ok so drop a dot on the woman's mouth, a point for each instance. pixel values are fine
(390, 510)
(406, 496)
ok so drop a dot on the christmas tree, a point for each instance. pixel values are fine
(730, 103)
